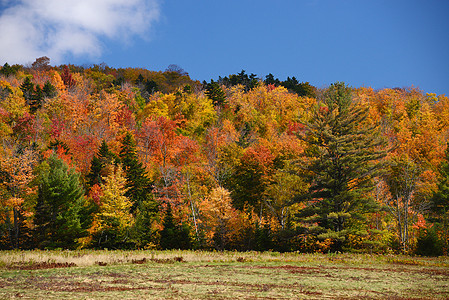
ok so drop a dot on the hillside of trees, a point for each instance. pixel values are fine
(98, 157)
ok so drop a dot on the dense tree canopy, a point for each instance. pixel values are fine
(94, 156)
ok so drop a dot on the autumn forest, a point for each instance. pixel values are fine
(128, 158)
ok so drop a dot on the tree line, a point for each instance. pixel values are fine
(98, 157)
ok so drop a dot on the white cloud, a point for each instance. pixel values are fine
(55, 28)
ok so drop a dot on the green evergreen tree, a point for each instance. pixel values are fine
(302, 89)
(440, 202)
(36, 98)
(94, 176)
(343, 157)
(100, 161)
(137, 182)
(428, 243)
(144, 235)
(174, 236)
(269, 79)
(49, 90)
(440, 199)
(215, 93)
(248, 82)
(62, 213)
(8, 70)
(151, 86)
(27, 88)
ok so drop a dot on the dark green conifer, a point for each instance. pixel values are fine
(440, 199)
(137, 182)
(27, 88)
(36, 98)
(49, 90)
(151, 86)
(343, 157)
(269, 79)
(174, 236)
(103, 158)
(215, 93)
(440, 203)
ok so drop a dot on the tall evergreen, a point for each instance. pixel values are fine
(62, 214)
(137, 182)
(343, 156)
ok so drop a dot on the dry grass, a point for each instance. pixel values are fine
(85, 258)
(219, 275)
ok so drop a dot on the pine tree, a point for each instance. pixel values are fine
(343, 157)
(61, 210)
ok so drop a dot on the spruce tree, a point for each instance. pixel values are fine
(137, 182)
(62, 213)
(343, 156)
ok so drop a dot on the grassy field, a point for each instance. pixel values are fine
(216, 275)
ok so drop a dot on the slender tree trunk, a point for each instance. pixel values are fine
(9, 228)
(192, 206)
(16, 228)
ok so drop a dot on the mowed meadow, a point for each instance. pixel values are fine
(177, 274)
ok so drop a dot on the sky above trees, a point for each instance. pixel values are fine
(364, 43)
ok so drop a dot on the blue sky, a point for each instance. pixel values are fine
(377, 43)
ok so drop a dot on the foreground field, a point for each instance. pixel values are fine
(215, 275)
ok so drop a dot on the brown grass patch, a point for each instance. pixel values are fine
(39, 266)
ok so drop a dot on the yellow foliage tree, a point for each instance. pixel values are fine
(221, 220)
(113, 222)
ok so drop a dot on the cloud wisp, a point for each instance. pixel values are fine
(55, 28)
